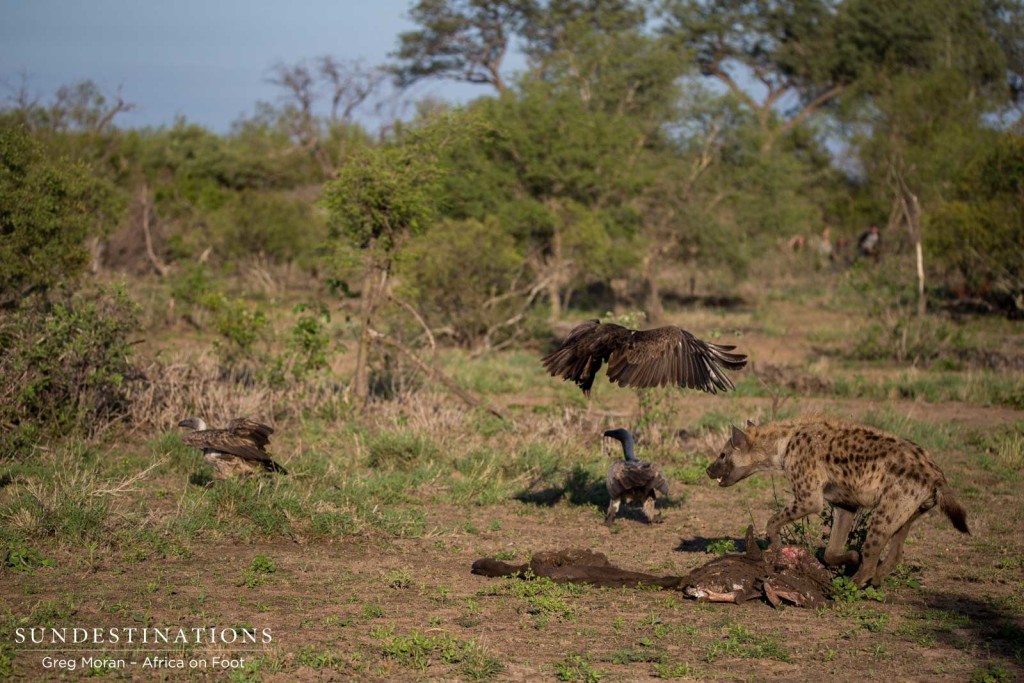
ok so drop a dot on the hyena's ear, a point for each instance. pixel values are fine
(750, 423)
(739, 438)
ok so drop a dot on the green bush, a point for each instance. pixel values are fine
(239, 325)
(895, 331)
(310, 341)
(463, 275)
(65, 368)
(978, 234)
(49, 208)
(267, 224)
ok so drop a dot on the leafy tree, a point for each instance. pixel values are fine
(383, 196)
(794, 50)
(463, 40)
(49, 209)
(978, 233)
(943, 70)
(604, 52)
(559, 178)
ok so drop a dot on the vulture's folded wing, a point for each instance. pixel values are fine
(635, 476)
(256, 432)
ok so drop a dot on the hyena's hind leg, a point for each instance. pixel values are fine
(613, 509)
(836, 552)
(895, 553)
(893, 515)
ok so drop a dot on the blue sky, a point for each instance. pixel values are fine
(207, 60)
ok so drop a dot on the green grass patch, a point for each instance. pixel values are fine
(25, 559)
(541, 596)
(577, 668)
(401, 450)
(738, 641)
(259, 570)
(419, 651)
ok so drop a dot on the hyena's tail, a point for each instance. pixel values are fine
(951, 507)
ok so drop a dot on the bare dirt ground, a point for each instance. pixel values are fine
(341, 603)
(376, 606)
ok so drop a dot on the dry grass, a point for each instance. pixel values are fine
(415, 487)
(199, 385)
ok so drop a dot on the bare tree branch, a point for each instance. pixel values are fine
(419, 318)
(433, 372)
(144, 198)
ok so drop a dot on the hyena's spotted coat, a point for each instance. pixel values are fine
(851, 466)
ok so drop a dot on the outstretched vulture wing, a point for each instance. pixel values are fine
(635, 476)
(671, 355)
(651, 358)
(581, 354)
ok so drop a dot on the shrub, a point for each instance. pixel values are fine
(65, 367)
(49, 208)
(280, 228)
(463, 274)
(239, 325)
(978, 234)
(895, 331)
(310, 339)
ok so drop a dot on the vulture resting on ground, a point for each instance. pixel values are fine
(643, 358)
(238, 450)
(633, 480)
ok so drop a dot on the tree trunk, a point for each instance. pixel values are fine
(555, 299)
(922, 301)
(557, 265)
(655, 311)
(373, 286)
(912, 208)
(158, 265)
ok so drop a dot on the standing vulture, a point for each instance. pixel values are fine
(633, 480)
(643, 358)
(238, 450)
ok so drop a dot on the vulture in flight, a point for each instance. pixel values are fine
(643, 358)
(633, 480)
(238, 450)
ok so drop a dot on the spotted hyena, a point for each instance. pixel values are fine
(851, 466)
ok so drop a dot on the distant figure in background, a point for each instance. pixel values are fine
(869, 244)
(824, 246)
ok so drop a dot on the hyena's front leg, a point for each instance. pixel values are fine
(613, 509)
(807, 501)
(835, 552)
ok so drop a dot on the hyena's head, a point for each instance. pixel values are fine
(738, 460)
